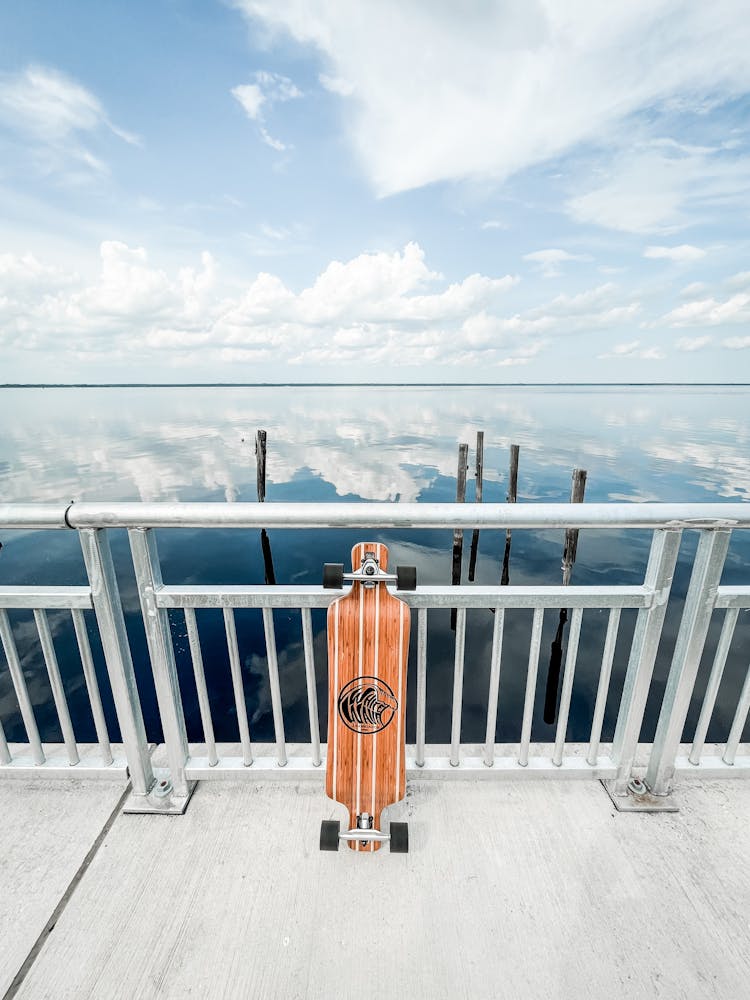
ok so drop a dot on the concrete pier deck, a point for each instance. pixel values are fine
(517, 889)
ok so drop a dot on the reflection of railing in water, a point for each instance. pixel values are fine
(667, 521)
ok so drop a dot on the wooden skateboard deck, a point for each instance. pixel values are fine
(368, 647)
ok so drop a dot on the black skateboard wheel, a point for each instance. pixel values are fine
(333, 576)
(399, 838)
(406, 577)
(329, 835)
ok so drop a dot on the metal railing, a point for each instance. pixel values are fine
(649, 600)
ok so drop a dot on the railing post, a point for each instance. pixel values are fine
(105, 596)
(691, 638)
(159, 639)
(662, 559)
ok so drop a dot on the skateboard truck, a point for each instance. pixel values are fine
(365, 833)
(369, 574)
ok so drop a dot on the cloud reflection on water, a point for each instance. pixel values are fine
(374, 444)
(388, 444)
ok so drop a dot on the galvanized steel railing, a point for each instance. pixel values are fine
(667, 521)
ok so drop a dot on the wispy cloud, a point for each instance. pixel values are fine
(267, 90)
(653, 187)
(693, 343)
(528, 83)
(682, 254)
(634, 349)
(336, 85)
(251, 97)
(55, 112)
(550, 261)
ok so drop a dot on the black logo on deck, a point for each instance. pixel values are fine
(367, 705)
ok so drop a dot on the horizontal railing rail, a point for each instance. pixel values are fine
(648, 600)
(375, 515)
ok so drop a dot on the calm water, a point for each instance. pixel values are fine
(340, 443)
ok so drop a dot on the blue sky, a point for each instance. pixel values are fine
(400, 191)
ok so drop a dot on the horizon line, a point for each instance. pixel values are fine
(375, 385)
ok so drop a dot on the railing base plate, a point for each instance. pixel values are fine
(640, 801)
(161, 800)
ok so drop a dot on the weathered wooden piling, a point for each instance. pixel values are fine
(260, 463)
(458, 535)
(577, 489)
(478, 498)
(260, 478)
(511, 496)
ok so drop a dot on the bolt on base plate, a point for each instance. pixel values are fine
(161, 800)
(639, 799)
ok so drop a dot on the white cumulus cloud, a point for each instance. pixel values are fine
(711, 311)
(388, 308)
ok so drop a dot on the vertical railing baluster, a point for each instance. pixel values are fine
(605, 674)
(105, 596)
(237, 686)
(19, 685)
(691, 638)
(738, 723)
(273, 677)
(712, 688)
(55, 680)
(312, 691)
(458, 686)
(567, 686)
(662, 559)
(5, 757)
(92, 686)
(421, 683)
(492, 696)
(191, 627)
(531, 673)
(161, 652)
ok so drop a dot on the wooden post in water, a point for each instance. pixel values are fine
(511, 498)
(260, 464)
(458, 535)
(478, 498)
(577, 488)
(260, 478)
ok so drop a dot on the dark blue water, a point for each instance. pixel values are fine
(344, 443)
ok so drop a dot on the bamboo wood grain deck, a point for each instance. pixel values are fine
(368, 649)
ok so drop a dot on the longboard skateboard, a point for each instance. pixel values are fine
(368, 648)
